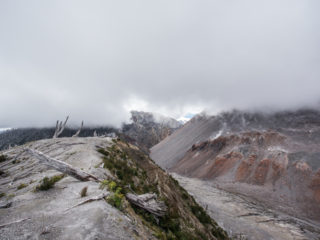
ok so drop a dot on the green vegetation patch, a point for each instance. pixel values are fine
(22, 185)
(3, 158)
(135, 172)
(47, 183)
(130, 177)
(116, 197)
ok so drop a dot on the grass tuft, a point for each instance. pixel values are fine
(84, 191)
(3, 158)
(22, 185)
(47, 183)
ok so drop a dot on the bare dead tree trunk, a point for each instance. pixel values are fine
(78, 132)
(62, 166)
(10, 223)
(60, 127)
(96, 198)
(148, 202)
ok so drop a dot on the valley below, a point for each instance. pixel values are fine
(245, 218)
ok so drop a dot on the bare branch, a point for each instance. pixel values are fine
(96, 198)
(60, 127)
(18, 221)
(78, 132)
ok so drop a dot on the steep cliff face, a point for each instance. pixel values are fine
(274, 158)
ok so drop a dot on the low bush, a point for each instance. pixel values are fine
(201, 214)
(22, 185)
(3, 158)
(47, 183)
(83, 192)
(116, 198)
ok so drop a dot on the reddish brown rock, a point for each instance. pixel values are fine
(224, 164)
(245, 168)
(261, 172)
(315, 186)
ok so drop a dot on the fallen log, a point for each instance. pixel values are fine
(10, 223)
(148, 202)
(96, 198)
(62, 166)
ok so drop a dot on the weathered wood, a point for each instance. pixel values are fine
(148, 202)
(60, 127)
(62, 166)
(18, 221)
(96, 198)
(5, 204)
(78, 132)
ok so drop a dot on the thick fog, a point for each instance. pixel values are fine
(96, 60)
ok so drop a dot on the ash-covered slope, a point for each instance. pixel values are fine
(272, 157)
(31, 207)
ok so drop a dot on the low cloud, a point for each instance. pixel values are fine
(95, 60)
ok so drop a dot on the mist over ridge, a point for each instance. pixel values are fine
(97, 61)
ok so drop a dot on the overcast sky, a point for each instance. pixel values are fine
(96, 60)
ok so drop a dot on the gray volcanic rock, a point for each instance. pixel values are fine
(49, 214)
(62, 212)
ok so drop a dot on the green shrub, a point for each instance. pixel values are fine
(48, 183)
(112, 186)
(2, 195)
(22, 185)
(103, 184)
(199, 212)
(3, 158)
(115, 200)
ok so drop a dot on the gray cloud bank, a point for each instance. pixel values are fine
(96, 59)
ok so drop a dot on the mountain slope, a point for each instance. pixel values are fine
(148, 129)
(58, 211)
(272, 157)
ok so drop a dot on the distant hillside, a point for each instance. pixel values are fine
(148, 129)
(272, 157)
(23, 135)
(145, 130)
